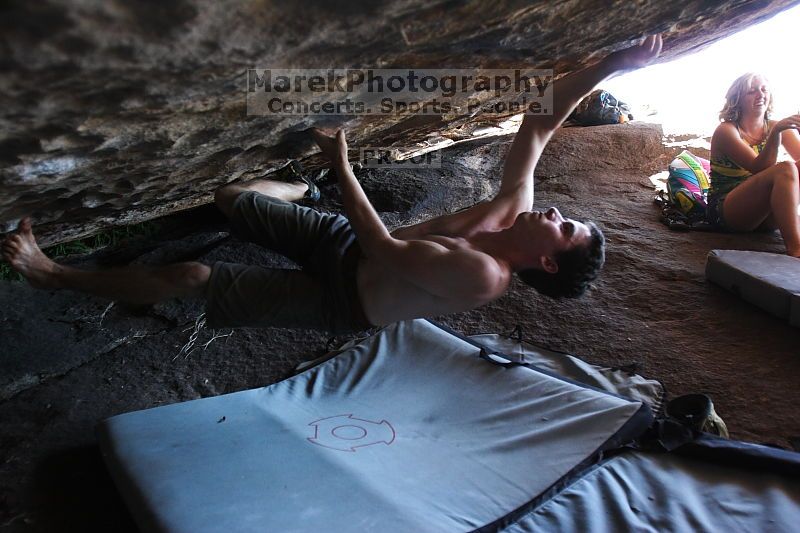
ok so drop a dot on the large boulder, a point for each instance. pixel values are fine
(116, 112)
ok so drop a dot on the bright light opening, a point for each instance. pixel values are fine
(687, 94)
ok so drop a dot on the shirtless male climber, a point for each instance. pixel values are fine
(355, 274)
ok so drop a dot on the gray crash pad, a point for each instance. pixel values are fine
(770, 281)
(619, 381)
(411, 429)
(639, 491)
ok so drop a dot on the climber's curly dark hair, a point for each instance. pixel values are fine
(577, 267)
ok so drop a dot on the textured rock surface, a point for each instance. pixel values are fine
(71, 363)
(114, 111)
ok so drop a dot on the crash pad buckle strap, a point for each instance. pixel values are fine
(500, 359)
(515, 333)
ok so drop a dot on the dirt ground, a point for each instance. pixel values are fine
(69, 361)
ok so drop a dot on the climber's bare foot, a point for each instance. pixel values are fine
(25, 256)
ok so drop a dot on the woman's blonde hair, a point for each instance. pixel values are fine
(730, 111)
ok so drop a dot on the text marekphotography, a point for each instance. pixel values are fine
(398, 91)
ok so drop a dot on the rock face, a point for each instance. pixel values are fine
(70, 360)
(116, 112)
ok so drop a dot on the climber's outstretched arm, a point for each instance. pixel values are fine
(516, 190)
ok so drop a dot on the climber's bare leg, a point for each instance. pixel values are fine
(138, 285)
(291, 192)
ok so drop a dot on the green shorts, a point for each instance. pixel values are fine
(322, 295)
(714, 211)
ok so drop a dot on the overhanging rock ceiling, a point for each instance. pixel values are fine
(117, 111)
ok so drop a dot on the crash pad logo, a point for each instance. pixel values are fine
(346, 433)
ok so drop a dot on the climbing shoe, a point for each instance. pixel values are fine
(294, 172)
(697, 412)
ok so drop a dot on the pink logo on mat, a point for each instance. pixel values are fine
(346, 433)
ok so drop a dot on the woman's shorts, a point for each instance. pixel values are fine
(714, 211)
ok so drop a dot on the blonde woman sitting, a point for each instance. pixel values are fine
(750, 189)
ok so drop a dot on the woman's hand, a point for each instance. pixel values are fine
(334, 148)
(636, 56)
(789, 123)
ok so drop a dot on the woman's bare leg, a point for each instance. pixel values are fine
(138, 285)
(772, 193)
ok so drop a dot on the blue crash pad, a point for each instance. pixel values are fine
(407, 430)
